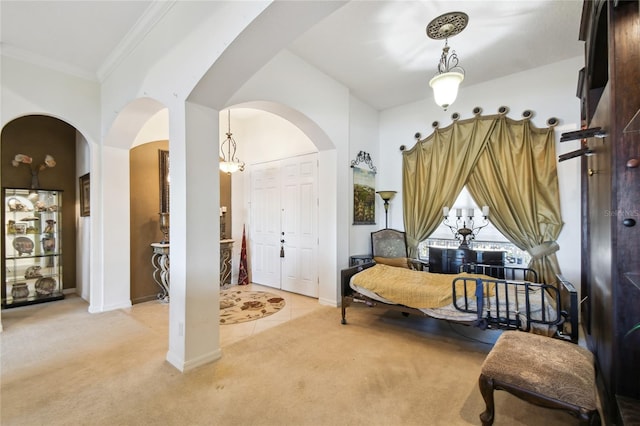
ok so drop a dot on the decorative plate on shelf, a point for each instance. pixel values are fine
(23, 245)
(45, 286)
(33, 272)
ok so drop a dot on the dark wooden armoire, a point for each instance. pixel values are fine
(609, 88)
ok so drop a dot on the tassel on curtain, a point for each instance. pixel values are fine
(507, 165)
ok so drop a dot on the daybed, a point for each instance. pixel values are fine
(467, 298)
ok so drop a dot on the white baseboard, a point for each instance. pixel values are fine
(328, 302)
(105, 308)
(185, 366)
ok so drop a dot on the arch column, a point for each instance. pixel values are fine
(194, 329)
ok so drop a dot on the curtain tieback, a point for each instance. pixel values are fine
(544, 249)
(411, 242)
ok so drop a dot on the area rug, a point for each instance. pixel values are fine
(241, 306)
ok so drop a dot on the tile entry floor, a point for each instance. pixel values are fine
(296, 306)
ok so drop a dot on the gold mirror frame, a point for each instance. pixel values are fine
(163, 163)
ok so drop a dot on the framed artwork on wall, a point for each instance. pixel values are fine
(364, 190)
(85, 190)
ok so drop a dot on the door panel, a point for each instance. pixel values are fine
(300, 225)
(265, 224)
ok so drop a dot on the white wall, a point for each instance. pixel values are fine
(548, 91)
(30, 89)
(364, 136)
(262, 136)
(155, 129)
(83, 224)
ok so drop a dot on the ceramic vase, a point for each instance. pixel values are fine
(19, 291)
(48, 244)
(164, 227)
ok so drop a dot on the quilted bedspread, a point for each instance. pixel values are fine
(415, 289)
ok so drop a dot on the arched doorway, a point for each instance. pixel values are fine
(41, 137)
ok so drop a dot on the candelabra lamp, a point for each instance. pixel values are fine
(464, 227)
(386, 197)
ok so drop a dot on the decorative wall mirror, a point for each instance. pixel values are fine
(163, 162)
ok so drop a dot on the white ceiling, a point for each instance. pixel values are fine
(379, 49)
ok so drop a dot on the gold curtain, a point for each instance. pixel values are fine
(507, 165)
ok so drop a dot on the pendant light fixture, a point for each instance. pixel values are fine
(229, 162)
(446, 82)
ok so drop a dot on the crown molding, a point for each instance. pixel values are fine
(42, 61)
(149, 19)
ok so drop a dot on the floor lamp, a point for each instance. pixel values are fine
(386, 197)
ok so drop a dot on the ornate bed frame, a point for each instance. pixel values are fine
(563, 294)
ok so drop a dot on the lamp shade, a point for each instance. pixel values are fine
(230, 166)
(386, 195)
(445, 87)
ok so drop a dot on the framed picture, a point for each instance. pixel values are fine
(364, 190)
(85, 190)
(364, 193)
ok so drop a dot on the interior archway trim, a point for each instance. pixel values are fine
(309, 127)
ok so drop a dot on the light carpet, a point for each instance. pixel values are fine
(63, 366)
(242, 305)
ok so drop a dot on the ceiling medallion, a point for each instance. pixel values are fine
(447, 25)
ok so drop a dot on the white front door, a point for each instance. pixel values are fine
(265, 224)
(284, 211)
(299, 225)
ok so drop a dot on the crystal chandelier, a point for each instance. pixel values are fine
(229, 162)
(446, 82)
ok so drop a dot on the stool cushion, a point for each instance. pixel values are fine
(554, 368)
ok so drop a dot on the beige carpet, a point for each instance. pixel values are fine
(63, 366)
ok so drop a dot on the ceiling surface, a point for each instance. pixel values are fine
(379, 49)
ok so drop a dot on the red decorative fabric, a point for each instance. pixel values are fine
(243, 276)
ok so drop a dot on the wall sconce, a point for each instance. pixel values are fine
(446, 82)
(464, 228)
(386, 197)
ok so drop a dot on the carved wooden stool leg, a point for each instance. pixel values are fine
(486, 389)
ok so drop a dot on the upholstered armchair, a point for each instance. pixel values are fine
(389, 247)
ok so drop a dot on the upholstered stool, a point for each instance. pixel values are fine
(541, 370)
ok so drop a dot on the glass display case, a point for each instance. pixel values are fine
(32, 246)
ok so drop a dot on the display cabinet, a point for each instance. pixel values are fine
(32, 246)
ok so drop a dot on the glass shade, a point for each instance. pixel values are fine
(445, 87)
(230, 166)
(386, 195)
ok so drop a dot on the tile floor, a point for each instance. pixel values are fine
(296, 306)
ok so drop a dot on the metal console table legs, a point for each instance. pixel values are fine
(160, 262)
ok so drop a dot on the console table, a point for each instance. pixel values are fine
(226, 253)
(160, 262)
